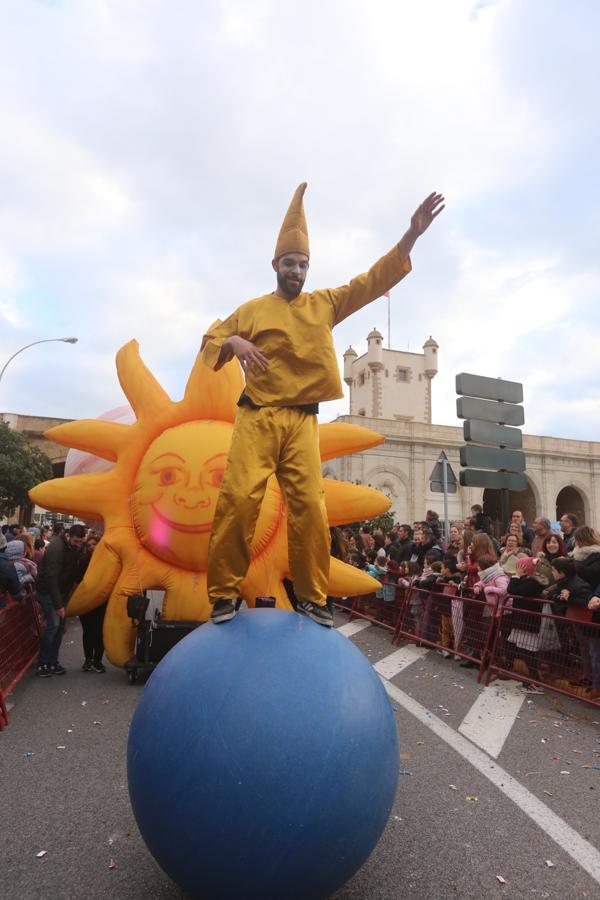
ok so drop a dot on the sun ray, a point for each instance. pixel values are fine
(348, 581)
(86, 496)
(339, 439)
(139, 385)
(105, 439)
(213, 395)
(104, 569)
(344, 500)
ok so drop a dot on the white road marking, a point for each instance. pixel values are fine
(391, 665)
(351, 628)
(490, 719)
(580, 850)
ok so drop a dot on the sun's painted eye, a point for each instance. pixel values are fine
(168, 476)
(215, 477)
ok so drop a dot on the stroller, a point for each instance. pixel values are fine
(155, 636)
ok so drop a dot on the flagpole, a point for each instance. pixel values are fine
(389, 339)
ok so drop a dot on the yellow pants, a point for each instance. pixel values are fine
(271, 440)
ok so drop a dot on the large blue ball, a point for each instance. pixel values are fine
(263, 759)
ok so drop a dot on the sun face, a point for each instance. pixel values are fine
(158, 500)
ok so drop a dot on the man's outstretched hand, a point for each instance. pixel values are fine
(426, 213)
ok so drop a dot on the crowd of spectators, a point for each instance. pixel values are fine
(46, 563)
(530, 568)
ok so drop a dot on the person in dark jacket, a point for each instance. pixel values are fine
(401, 549)
(424, 545)
(571, 595)
(59, 571)
(568, 526)
(9, 577)
(586, 554)
(594, 645)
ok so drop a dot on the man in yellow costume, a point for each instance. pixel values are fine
(284, 343)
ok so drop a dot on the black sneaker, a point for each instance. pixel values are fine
(222, 611)
(43, 672)
(318, 614)
(97, 667)
(87, 666)
(57, 669)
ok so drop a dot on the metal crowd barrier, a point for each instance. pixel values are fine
(539, 647)
(561, 653)
(21, 625)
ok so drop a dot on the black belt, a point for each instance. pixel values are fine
(310, 408)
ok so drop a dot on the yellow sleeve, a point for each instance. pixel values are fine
(214, 339)
(382, 276)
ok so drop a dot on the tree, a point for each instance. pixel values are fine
(21, 468)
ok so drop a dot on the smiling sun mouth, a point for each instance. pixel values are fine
(178, 526)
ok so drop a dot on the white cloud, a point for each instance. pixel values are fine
(150, 152)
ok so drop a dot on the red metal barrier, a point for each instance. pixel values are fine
(457, 625)
(377, 610)
(561, 653)
(20, 629)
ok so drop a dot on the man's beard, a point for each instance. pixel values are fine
(292, 290)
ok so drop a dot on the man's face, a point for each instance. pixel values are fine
(403, 534)
(517, 517)
(76, 541)
(566, 526)
(539, 527)
(291, 271)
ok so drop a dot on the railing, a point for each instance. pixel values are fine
(561, 653)
(21, 624)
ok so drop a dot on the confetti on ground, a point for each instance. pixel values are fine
(549, 793)
(84, 702)
(501, 879)
(452, 787)
(61, 747)
(549, 863)
(97, 722)
(564, 772)
(69, 731)
(28, 753)
(420, 743)
(112, 864)
(404, 772)
(41, 854)
(473, 798)
(104, 702)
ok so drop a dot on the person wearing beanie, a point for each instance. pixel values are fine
(9, 579)
(284, 344)
(15, 552)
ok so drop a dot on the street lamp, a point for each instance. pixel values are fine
(67, 340)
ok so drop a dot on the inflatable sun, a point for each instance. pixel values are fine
(158, 500)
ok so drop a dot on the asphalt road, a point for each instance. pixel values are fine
(451, 833)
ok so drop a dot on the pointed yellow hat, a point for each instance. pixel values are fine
(293, 237)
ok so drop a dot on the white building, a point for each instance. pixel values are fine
(390, 392)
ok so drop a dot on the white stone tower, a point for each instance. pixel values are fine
(391, 384)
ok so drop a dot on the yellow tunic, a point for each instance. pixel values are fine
(295, 336)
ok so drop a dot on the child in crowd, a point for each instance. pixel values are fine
(26, 568)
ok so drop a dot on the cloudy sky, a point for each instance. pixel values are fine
(150, 148)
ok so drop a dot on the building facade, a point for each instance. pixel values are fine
(563, 475)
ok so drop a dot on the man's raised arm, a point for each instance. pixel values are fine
(390, 269)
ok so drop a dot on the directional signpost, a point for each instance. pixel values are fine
(490, 407)
(443, 480)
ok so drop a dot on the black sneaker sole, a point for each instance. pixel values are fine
(222, 617)
(43, 674)
(326, 623)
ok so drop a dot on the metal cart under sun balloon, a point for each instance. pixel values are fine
(154, 638)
